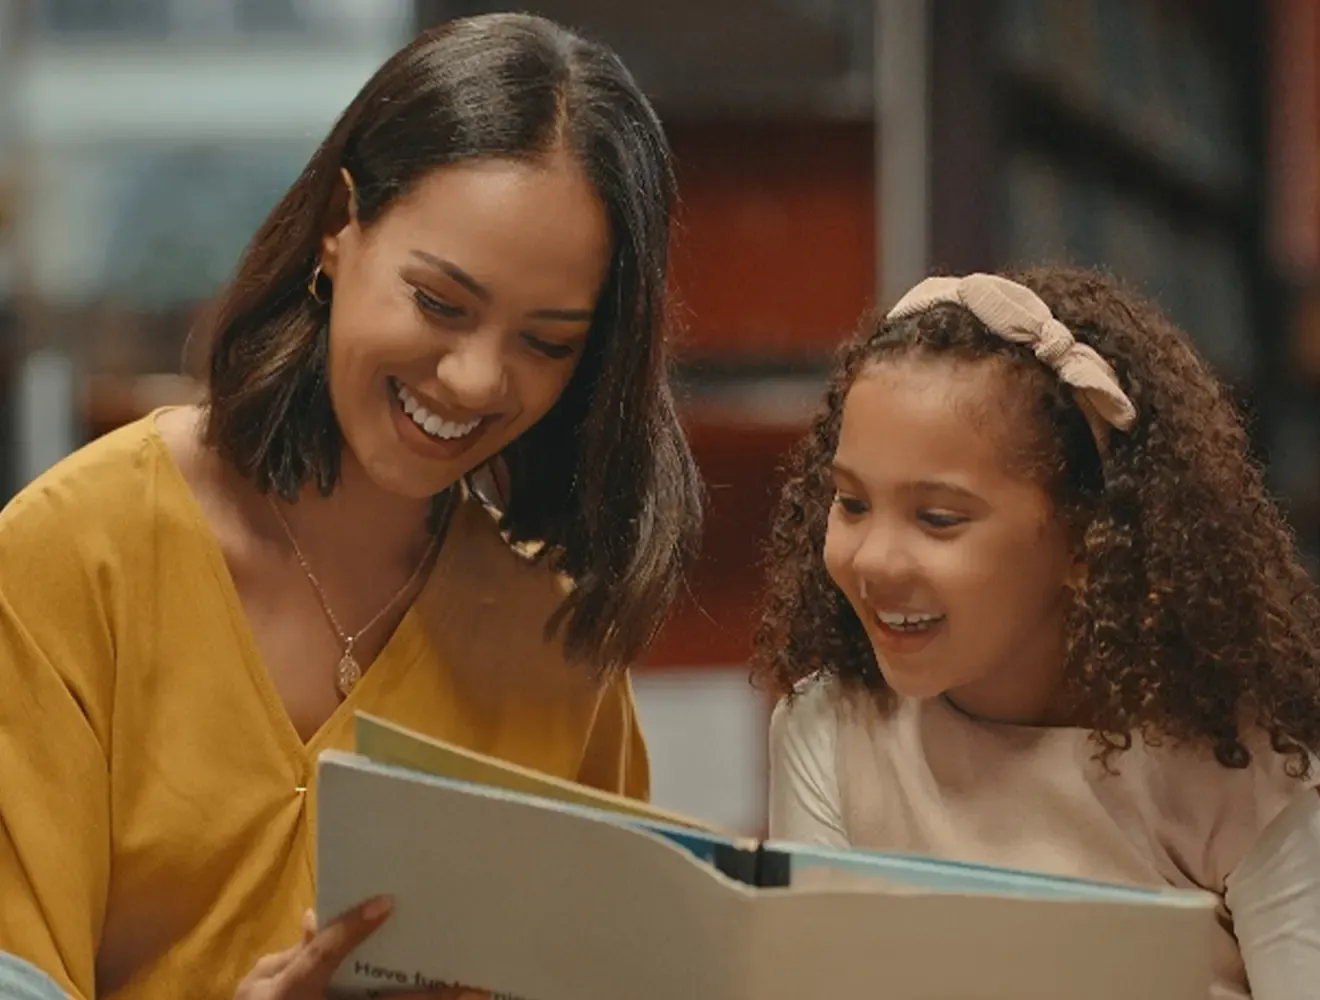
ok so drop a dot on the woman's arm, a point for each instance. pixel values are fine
(1274, 897)
(57, 682)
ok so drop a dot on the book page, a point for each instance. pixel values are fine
(945, 876)
(387, 743)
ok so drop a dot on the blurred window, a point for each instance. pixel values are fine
(337, 20)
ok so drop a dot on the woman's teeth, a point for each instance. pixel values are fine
(433, 425)
(904, 622)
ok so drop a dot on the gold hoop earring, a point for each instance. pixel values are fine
(312, 288)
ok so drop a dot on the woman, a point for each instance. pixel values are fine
(464, 287)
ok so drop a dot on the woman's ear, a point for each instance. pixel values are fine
(343, 218)
(350, 195)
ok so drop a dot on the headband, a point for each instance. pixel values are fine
(1016, 313)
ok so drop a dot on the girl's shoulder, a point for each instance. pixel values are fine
(811, 713)
(1217, 812)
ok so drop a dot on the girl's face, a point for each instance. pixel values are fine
(458, 317)
(952, 556)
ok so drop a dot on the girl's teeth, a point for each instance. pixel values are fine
(907, 623)
(433, 425)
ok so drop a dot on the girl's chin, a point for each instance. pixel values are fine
(917, 686)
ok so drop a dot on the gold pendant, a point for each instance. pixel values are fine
(347, 674)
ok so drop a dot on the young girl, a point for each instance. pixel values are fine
(438, 477)
(1032, 607)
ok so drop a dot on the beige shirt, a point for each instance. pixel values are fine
(928, 780)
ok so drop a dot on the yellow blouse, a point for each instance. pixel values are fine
(157, 807)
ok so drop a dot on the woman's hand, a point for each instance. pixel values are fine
(303, 972)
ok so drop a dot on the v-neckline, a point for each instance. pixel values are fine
(399, 649)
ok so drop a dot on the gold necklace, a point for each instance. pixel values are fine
(348, 671)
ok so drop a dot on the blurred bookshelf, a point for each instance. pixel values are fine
(1130, 135)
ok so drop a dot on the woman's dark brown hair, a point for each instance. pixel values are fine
(1195, 621)
(605, 480)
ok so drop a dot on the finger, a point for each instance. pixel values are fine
(317, 961)
(269, 966)
(308, 926)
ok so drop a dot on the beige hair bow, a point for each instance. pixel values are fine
(1016, 313)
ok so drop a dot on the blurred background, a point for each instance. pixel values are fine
(829, 153)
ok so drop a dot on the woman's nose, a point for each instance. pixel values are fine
(473, 373)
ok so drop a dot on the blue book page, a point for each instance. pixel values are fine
(935, 875)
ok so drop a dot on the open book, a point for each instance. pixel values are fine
(532, 887)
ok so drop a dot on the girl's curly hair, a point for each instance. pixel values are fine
(1195, 620)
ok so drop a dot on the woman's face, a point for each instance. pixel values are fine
(458, 317)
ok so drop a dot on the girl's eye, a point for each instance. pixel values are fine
(555, 351)
(941, 519)
(437, 306)
(850, 505)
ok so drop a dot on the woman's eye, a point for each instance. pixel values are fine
(437, 306)
(556, 351)
(850, 505)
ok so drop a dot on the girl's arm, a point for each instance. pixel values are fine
(804, 789)
(1274, 897)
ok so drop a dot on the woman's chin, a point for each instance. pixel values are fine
(404, 469)
(409, 485)
(397, 472)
